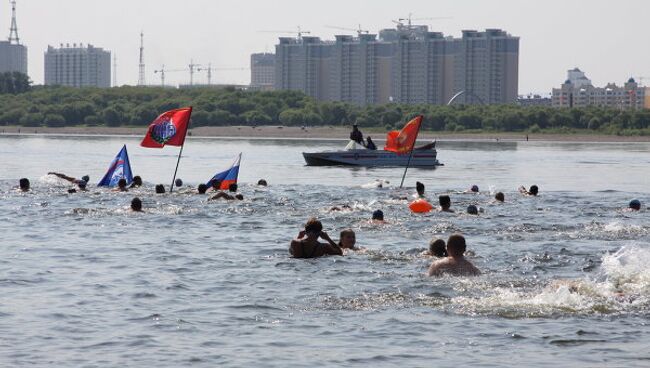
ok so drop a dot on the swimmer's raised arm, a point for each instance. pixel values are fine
(331, 247)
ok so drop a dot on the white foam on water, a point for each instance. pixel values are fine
(622, 285)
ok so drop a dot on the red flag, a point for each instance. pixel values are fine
(170, 128)
(403, 141)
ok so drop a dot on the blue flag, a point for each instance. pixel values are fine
(120, 168)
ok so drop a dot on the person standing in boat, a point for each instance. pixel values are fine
(356, 135)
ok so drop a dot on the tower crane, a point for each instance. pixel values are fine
(162, 72)
(299, 33)
(410, 19)
(359, 30)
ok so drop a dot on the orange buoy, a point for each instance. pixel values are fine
(420, 206)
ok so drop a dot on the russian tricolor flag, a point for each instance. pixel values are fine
(227, 177)
(120, 168)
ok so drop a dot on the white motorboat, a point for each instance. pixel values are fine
(357, 155)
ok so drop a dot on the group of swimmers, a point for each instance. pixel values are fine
(450, 256)
(24, 185)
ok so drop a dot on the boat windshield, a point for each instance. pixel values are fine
(354, 146)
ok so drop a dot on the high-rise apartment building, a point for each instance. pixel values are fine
(408, 64)
(78, 66)
(262, 71)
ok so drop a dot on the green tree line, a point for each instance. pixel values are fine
(138, 106)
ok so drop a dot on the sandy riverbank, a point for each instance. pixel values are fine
(322, 133)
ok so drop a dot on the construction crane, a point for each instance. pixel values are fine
(192, 68)
(410, 19)
(359, 30)
(162, 72)
(299, 33)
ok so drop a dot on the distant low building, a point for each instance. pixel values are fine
(580, 93)
(534, 100)
(78, 66)
(262, 71)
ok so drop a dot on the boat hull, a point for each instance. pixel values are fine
(368, 158)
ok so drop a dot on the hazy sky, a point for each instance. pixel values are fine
(607, 39)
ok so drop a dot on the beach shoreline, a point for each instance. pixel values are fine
(321, 132)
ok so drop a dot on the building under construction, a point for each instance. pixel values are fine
(408, 64)
(13, 54)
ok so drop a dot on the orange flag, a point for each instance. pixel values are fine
(402, 141)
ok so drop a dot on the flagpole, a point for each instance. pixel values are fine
(180, 153)
(410, 156)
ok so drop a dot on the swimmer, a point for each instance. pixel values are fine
(202, 188)
(121, 186)
(472, 209)
(136, 205)
(635, 205)
(419, 188)
(24, 185)
(437, 248)
(347, 239)
(160, 189)
(445, 203)
(229, 197)
(533, 191)
(455, 264)
(137, 182)
(262, 183)
(215, 184)
(85, 179)
(308, 246)
(345, 207)
(82, 187)
(473, 189)
(499, 197)
(178, 182)
(378, 216)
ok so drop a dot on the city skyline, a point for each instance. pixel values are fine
(600, 38)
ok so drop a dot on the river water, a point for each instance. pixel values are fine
(86, 283)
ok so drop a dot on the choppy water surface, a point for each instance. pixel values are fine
(85, 282)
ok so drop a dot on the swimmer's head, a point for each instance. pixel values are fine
(178, 182)
(533, 190)
(262, 183)
(121, 183)
(347, 239)
(472, 209)
(500, 197)
(136, 204)
(635, 204)
(456, 245)
(137, 181)
(437, 248)
(474, 188)
(24, 184)
(232, 187)
(313, 227)
(160, 189)
(419, 187)
(378, 215)
(202, 188)
(445, 201)
(85, 178)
